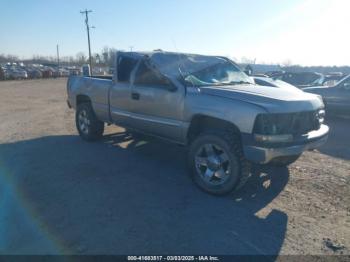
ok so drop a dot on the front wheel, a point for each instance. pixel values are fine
(217, 162)
(88, 126)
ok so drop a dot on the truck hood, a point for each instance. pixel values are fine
(272, 99)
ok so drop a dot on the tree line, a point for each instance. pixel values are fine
(104, 58)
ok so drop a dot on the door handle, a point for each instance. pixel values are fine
(135, 96)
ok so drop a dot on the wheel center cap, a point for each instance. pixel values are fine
(214, 163)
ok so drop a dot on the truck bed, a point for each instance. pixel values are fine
(96, 88)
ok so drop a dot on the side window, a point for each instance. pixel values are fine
(147, 76)
(124, 68)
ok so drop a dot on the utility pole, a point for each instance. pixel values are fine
(86, 12)
(58, 58)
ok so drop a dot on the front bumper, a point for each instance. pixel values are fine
(264, 154)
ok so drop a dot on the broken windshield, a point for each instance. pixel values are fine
(222, 73)
(199, 70)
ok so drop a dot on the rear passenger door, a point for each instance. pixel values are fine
(157, 104)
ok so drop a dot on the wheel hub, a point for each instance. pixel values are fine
(212, 164)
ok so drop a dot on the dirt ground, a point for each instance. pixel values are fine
(126, 195)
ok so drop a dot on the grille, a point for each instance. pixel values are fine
(287, 123)
(304, 122)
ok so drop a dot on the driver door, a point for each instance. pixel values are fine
(156, 103)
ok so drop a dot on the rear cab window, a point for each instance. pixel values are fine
(125, 66)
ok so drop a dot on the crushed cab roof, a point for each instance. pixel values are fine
(174, 64)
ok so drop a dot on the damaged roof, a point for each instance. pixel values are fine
(174, 64)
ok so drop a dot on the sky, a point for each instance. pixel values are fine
(305, 32)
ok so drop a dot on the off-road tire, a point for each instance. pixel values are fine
(95, 128)
(230, 143)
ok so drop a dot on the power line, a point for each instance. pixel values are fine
(86, 12)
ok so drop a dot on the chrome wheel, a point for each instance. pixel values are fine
(212, 164)
(84, 122)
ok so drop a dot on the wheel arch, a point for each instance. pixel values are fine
(81, 98)
(200, 123)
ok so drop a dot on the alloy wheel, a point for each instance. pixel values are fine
(212, 164)
(83, 121)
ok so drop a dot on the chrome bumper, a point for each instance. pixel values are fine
(309, 141)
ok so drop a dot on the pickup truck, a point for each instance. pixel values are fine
(205, 103)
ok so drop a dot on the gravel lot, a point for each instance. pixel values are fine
(125, 195)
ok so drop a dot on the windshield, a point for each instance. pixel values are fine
(222, 73)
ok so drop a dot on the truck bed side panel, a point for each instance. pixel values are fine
(96, 89)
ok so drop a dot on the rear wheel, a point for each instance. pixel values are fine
(217, 162)
(88, 126)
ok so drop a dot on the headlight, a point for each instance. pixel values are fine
(273, 124)
(282, 127)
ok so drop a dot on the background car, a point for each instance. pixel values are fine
(336, 98)
(2, 74)
(301, 79)
(64, 72)
(47, 72)
(332, 79)
(34, 74)
(18, 74)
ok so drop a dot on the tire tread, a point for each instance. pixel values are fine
(234, 144)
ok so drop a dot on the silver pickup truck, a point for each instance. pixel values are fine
(206, 103)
